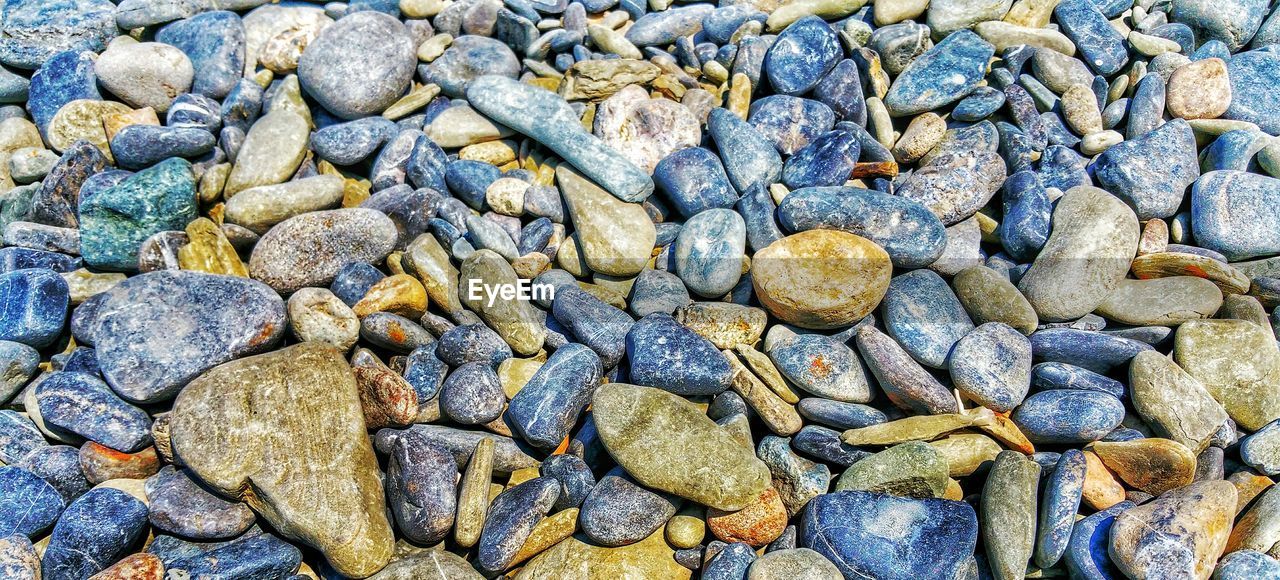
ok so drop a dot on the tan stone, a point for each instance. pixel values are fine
(398, 294)
(83, 119)
(574, 558)
(473, 494)
(615, 237)
(1199, 90)
(209, 251)
(1152, 464)
(598, 79)
(821, 278)
(427, 260)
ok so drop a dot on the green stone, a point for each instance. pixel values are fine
(113, 223)
(913, 469)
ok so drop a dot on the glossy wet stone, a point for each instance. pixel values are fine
(804, 52)
(31, 505)
(179, 504)
(1089, 416)
(99, 527)
(35, 306)
(82, 404)
(512, 517)
(619, 512)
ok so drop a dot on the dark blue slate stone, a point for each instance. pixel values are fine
(550, 403)
(1231, 150)
(838, 415)
(28, 504)
(618, 511)
(1102, 47)
(468, 58)
(1068, 416)
(803, 53)
(928, 538)
(18, 437)
(215, 43)
(574, 475)
(1124, 434)
(472, 343)
(390, 167)
(33, 31)
(195, 110)
(352, 142)
(749, 158)
(922, 313)
(1062, 495)
(409, 209)
(511, 518)
(1016, 148)
(907, 384)
(469, 179)
(825, 445)
(141, 146)
(1022, 109)
(790, 123)
(841, 89)
(722, 22)
(1232, 23)
(422, 480)
(354, 280)
(665, 354)
(1059, 134)
(822, 365)
(663, 28)
(1233, 212)
(472, 394)
(65, 77)
(1094, 351)
(222, 317)
(911, 234)
(1253, 77)
(535, 235)
(1063, 168)
(261, 556)
(14, 258)
(1146, 107)
(426, 166)
(60, 466)
(242, 105)
(1086, 555)
(86, 406)
(693, 180)
(980, 104)
(731, 563)
(180, 504)
(59, 196)
(1247, 565)
(34, 308)
(1152, 173)
(826, 161)
(758, 213)
(1055, 375)
(657, 291)
(425, 371)
(942, 75)
(1027, 212)
(600, 326)
(541, 201)
(95, 530)
(725, 405)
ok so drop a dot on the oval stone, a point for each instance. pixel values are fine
(359, 65)
(821, 278)
(310, 249)
(911, 235)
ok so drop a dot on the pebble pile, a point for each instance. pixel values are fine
(608, 289)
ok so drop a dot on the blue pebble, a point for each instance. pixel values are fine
(618, 511)
(427, 164)
(721, 23)
(656, 291)
(409, 209)
(1231, 213)
(1146, 108)
(60, 466)
(732, 563)
(28, 504)
(1253, 76)
(749, 158)
(823, 366)
(354, 280)
(665, 354)
(95, 530)
(32, 32)
(803, 53)
(15, 258)
(35, 306)
(141, 146)
(929, 538)
(1022, 109)
(425, 371)
(84, 405)
(1086, 555)
(826, 161)
(942, 75)
(1177, 32)
(18, 437)
(1063, 168)
(390, 167)
(1055, 375)
(825, 445)
(1068, 416)
(351, 142)
(470, 179)
(65, 77)
(574, 475)
(115, 222)
(535, 235)
(1254, 449)
(261, 556)
(980, 104)
(1232, 150)
(1231, 24)
(195, 110)
(1247, 565)
(511, 518)
(600, 326)
(215, 43)
(242, 105)
(1094, 351)
(911, 234)
(421, 482)
(550, 403)
(472, 343)
(1102, 46)
(841, 90)
(709, 252)
(838, 415)
(472, 394)
(1062, 494)
(790, 123)
(1152, 173)
(922, 313)
(663, 28)
(1027, 211)
(693, 180)
(907, 384)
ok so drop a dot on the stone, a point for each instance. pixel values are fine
(511, 519)
(145, 74)
(514, 320)
(913, 469)
(619, 512)
(912, 237)
(709, 251)
(823, 366)
(790, 123)
(922, 313)
(335, 502)
(651, 557)
(82, 404)
(358, 66)
(114, 222)
(1162, 301)
(1230, 214)
(31, 505)
(1090, 416)
(215, 44)
(615, 237)
(1233, 24)
(1199, 90)
(756, 525)
(750, 160)
(179, 504)
(991, 365)
(803, 53)
(1172, 402)
(35, 31)
(1094, 238)
(270, 153)
(1102, 47)
(260, 207)
(955, 184)
(882, 536)
(989, 297)
(1152, 465)
(18, 558)
(421, 489)
(1192, 524)
(309, 249)
(1261, 450)
(1236, 363)
(600, 79)
(1009, 513)
(942, 75)
(1152, 173)
(839, 288)
(664, 441)
(35, 306)
(101, 526)
(795, 563)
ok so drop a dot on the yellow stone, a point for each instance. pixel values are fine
(520, 476)
(687, 529)
(515, 372)
(574, 558)
(85, 284)
(83, 119)
(739, 95)
(491, 152)
(398, 294)
(416, 99)
(1152, 464)
(212, 181)
(548, 532)
(209, 251)
(917, 428)
(474, 494)
(821, 278)
(114, 122)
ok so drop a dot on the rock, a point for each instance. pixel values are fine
(180, 505)
(790, 123)
(1102, 47)
(1152, 173)
(922, 313)
(1062, 493)
(992, 366)
(114, 222)
(906, 230)
(35, 31)
(663, 28)
(1181, 532)
(615, 237)
(709, 251)
(663, 441)
(618, 512)
(35, 306)
(836, 291)
(795, 563)
(669, 356)
(645, 130)
(1094, 238)
(955, 185)
(651, 557)
(512, 517)
(222, 318)
(803, 53)
(18, 558)
(1089, 416)
(1261, 450)
(1151, 465)
(262, 555)
(989, 297)
(334, 503)
(1249, 75)
(552, 399)
(942, 75)
(932, 537)
(1236, 362)
(315, 314)
(358, 66)
(470, 57)
(914, 469)
(1228, 216)
(259, 208)
(271, 152)
(749, 158)
(1199, 90)
(1162, 301)
(82, 404)
(215, 43)
(428, 564)
(309, 249)
(1233, 24)
(514, 320)
(145, 74)
(1009, 513)
(1174, 403)
(99, 527)
(31, 505)
(421, 488)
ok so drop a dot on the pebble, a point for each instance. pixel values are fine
(35, 306)
(942, 75)
(180, 505)
(145, 74)
(309, 249)
(830, 293)
(358, 65)
(1242, 387)
(1192, 523)
(113, 222)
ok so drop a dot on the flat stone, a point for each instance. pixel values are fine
(1261, 450)
(645, 130)
(1152, 465)
(955, 184)
(1231, 216)
(615, 237)
(335, 501)
(1162, 301)
(1009, 513)
(619, 512)
(989, 297)
(1152, 173)
(992, 366)
(309, 249)
(511, 519)
(145, 74)
(179, 504)
(1236, 362)
(270, 153)
(35, 306)
(514, 320)
(942, 75)
(1174, 403)
(1182, 532)
(837, 290)
(913, 469)
(1089, 416)
(31, 505)
(908, 231)
(749, 158)
(35, 31)
(359, 66)
(82, 404)
(99, 527)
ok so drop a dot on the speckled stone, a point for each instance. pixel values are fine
(144, 74)
(215, 43)
(992, 366)
(1068, 416)
(1180, 533)
(30, 504)
(804, 52)
(35, 306)
(1062, 494)
(922, 313)
(619, 512)
(513, 320)
(913, 469)
(835, 291)
(309, 249)
(1162, 301)
(1199, 90)
(34, 31)
(99, 527)
(1103, 47)
(1152, 173)
(359, 65)
(271, 152)
(942, 75)
(1009, 513)
(114, 222)
(1229, 214)
(667, 355)
(1236, 361)
(906, 230)
(1232, 23)
(1251, 73)
(823, 366)
(953, 183)
(749, 158)
(1174, 403)
(650, 558)
(82, 404)
(709, 251)
(511, 519)
(180, 504)
(645, 130)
